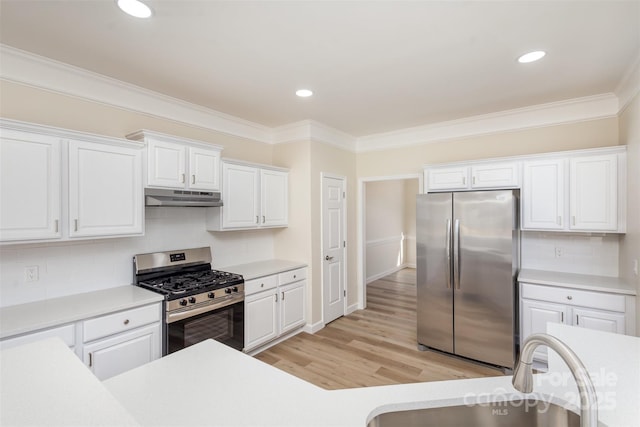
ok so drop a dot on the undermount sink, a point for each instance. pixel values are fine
(521, 413)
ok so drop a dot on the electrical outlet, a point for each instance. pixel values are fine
(558, 252)
(31, 274)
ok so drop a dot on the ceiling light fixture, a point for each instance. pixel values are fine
(532, 56)
(304, 93)
(135, 8)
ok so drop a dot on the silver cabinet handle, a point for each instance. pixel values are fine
(193, 179)
(283, 296)
(447, 250)
(464, 180)
(90, 359)
(573, 220)
(257, 219)
(276, 297)
(263, 219)
(56, 226)
(182, 178)
(456, 254)
(328, 258)
(75, 225)
(473, 180)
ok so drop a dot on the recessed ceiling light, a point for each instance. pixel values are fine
(134, 8)
(304, 93)
(532, 56)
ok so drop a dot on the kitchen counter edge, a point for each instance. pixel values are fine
(34, 316)
(253, 270)
(577, 281)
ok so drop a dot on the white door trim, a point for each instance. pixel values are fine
(361, 276)
(343, 178)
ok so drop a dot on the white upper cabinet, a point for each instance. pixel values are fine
(543, 195)
(479, 175)
(253, 196)
(274, 191)
(175, 162)
(105, 190)
(98, 178)
(593, 201)
(30, 186)
(575, 192)
(240, 196)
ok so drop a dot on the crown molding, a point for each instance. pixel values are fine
(311, 130)
(44, 73)
(555, 113)
(629, 85)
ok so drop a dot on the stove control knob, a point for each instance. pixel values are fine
(227, 291)
(183, 302)
(192, 300)
(211, 295)
(235, 289)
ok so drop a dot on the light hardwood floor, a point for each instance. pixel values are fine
(370, 347)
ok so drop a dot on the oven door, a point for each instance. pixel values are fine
(225, 324)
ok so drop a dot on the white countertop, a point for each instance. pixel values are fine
(253, 270)
(207, 376)
(30, 317)
(45, 384)
(577, 281)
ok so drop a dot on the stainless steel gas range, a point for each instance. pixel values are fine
(200, 303)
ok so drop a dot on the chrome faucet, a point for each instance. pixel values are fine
(523, 375)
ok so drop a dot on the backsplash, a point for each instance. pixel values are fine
(571, 253)
(68, 268)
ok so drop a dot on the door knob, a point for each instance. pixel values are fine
(328, 258)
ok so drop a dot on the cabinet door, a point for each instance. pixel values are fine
(274, 192)
(594, 193)
(204, 169)
(495, 175)
(105, 190)
(112, 356)
(240, 195)
(534, 318)
(29, 186)
(543, 198)
(455, 178)
(166, 164)
(292, 306)
(599, 320)
(261, 318)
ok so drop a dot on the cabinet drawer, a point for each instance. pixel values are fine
(66, 333)
(575, 297)
(292, 276)
(260, 284)
(120, 322)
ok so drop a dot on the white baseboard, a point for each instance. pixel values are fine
(388, 272)
(352, 308)
(313, 328)
(278, 340)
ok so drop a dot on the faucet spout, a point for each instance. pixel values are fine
(523, 374)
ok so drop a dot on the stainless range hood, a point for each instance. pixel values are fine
(163, 197)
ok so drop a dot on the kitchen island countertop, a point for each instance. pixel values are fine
(218, 386)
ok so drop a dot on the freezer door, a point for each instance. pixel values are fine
(433, 253)
(485, 232)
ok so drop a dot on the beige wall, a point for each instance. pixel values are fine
(597, 133)
(329, 159)
(411, 189)
(630, 242)
(28, 104)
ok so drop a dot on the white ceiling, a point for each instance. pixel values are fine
(375, 66)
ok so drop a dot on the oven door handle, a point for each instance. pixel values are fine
(181, 315)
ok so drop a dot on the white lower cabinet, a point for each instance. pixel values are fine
(274, 306)
(119, 353)
(110, 344)
(541, 304)
(121, 341)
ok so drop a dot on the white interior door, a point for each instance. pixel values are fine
(333, 245)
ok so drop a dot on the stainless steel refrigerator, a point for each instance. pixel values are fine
(467, 263)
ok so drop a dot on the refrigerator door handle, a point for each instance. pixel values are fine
(456, 254)
(447, 249)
